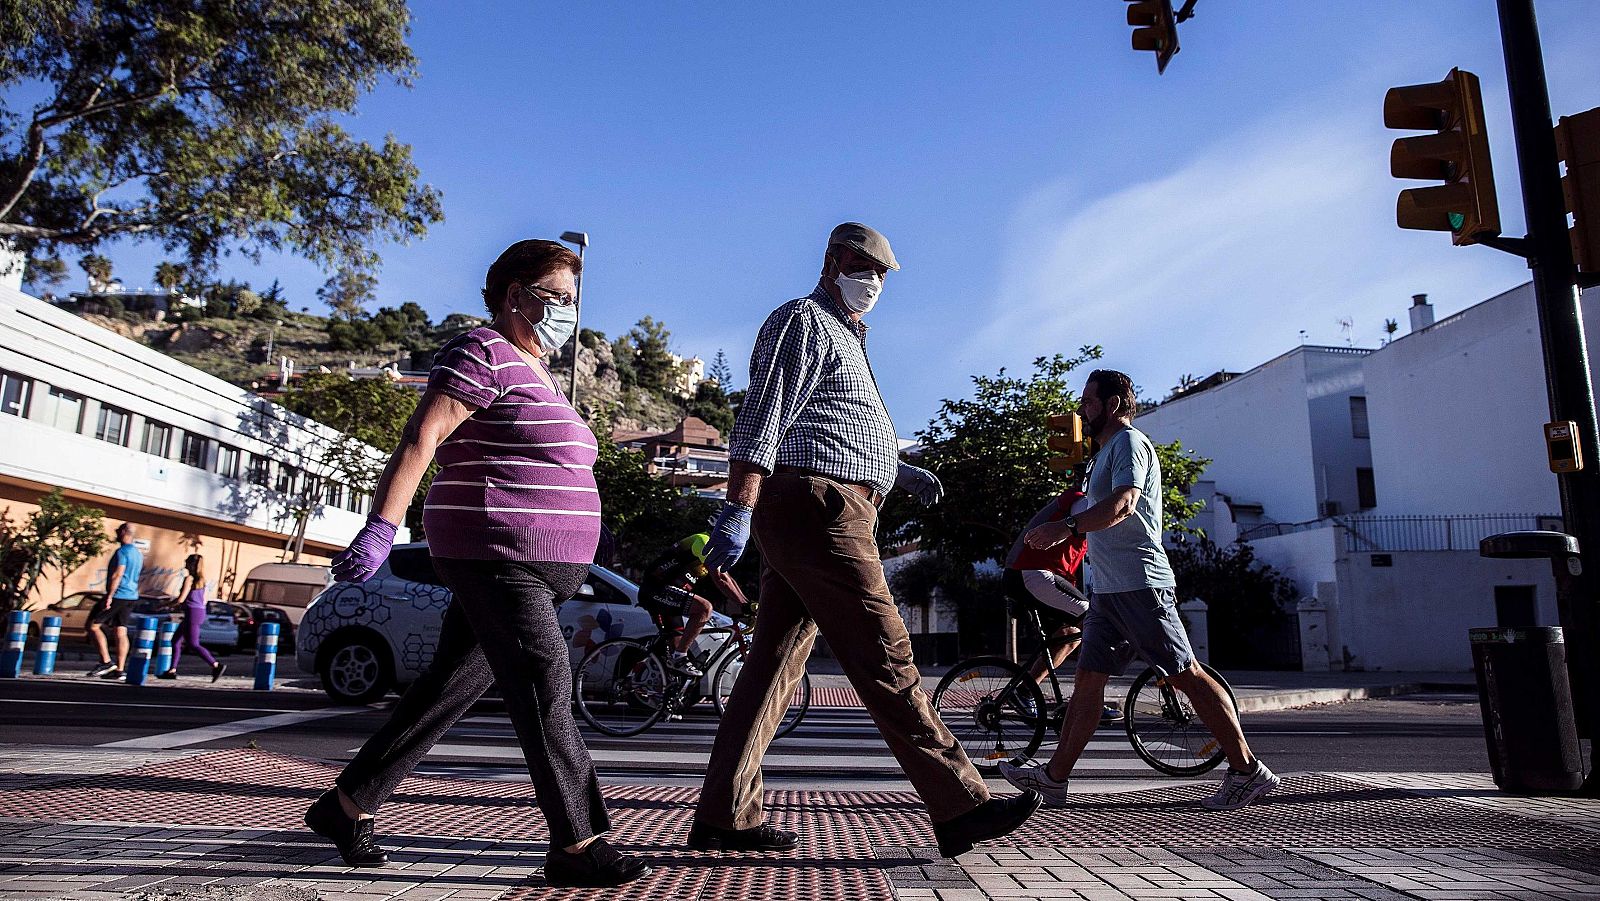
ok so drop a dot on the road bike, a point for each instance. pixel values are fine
(997, 711)
(624, 686)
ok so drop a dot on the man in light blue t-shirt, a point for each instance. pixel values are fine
(1133, 611)
(122, 589)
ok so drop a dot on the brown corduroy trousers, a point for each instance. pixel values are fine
(821, 570)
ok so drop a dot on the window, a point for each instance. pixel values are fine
(113, 425)
(157, 438)
(1358, 418)
(357, 502)
(14, 393)
(334, 496)
(195, 450)
(1366, 489)
(605, 592)
(414, 565)
(260, 472)
(227, 461)
(65, 410)
(286, 476)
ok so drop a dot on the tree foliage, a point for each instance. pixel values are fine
(641, 510)
(371, 411)
(210, 127)
(653, 366)
(1247, 599)
(990, 452)
(59, 535)
(711, 405)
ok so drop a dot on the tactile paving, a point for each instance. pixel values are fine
(842, 832)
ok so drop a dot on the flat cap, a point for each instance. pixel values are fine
(868, 242)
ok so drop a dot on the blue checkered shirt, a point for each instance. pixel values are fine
(813, 401)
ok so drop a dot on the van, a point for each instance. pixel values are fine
(279, 593)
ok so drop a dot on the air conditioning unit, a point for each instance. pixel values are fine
(1328, 508)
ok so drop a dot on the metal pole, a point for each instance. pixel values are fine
(1566, 358)
(577, 329)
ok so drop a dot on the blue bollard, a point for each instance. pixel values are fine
(266, 655)
(139, 657)
(168, 631)
(16, 642)
(44, 662)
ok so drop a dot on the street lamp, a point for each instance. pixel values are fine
(582, 240)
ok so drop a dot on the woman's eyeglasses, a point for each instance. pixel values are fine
(554, 298)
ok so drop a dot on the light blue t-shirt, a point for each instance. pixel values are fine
(1129, 556)
(128, 557)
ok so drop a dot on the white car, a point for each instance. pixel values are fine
(363, 640)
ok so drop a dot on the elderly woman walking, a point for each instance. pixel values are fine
(512, 518)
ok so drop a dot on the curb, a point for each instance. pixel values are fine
(1288, 700)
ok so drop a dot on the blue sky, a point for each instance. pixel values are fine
(1042, 187)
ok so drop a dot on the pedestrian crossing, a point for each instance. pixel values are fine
(835, 743)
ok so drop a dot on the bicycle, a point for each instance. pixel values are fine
(623, 686)
(998, 712)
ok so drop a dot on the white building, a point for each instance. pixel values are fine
(200, 465)
(1369, 476)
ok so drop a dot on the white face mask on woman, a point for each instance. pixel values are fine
(860, 291)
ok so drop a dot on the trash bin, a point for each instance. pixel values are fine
(1527, 709)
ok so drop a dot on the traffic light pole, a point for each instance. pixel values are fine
(1566, 357)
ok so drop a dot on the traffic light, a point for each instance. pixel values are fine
(1155, 28)
(1066, 435)
(1578, 145)
(1457, 154)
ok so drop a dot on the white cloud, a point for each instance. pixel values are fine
(1220, 264)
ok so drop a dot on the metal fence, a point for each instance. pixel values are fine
(1434, 533)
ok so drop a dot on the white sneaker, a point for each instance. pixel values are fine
(1036, 778)
(1239, 789)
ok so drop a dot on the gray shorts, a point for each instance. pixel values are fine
(1121, 625)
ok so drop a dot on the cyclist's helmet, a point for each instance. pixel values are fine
(696, 545)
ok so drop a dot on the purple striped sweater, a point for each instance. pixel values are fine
(517, 477)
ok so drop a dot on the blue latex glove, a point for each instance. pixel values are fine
(921, 483)
(366, 552)
(730, 532)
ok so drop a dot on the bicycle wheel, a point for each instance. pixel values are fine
(620, 687)
(728, 673)
(994, 708)
(1165, 731)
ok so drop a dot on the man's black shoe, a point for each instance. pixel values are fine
(113, 675)
(353, 838)
(100, 669)
(705, 837)
(597, 866)
(991, 819)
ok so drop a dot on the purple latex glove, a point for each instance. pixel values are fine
(366, 552)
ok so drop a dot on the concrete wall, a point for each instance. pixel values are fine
(1305, 557)
(1456, 412)
(1333, 377)
(1256, 429)
(166, 540)
(1414, 614)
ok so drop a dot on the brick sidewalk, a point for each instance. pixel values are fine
(225, 825)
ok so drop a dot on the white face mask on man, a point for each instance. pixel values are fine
(860, 291)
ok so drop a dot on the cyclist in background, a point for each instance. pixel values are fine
(1050, 580)
(674, 586)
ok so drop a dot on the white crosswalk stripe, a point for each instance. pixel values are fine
(839, 742)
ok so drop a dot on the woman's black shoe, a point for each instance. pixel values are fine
(353, 838)
(217, 669)
(705, 837)
(597, 866)
(991, 819)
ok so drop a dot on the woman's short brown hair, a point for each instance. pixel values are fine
(522, 263)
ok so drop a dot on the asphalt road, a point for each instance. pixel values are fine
(832, 748)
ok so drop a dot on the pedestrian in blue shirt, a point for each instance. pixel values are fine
(122, 589)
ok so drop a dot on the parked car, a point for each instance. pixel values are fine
(363, 640)
(279, 593)
(218, 631)
(74, 612)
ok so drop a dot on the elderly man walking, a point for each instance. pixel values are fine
(813, 454)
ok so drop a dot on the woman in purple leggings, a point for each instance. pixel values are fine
(193, 595)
